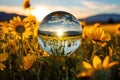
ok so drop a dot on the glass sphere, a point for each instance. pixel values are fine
(59, 33)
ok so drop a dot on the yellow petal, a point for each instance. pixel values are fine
(82, 74)
(106, 61)
(96, 61)
(87, 65)
(106, 37)
(3, 57)
(2, 66)
(113, 63)
(28, 61)
(85, 74)
(18, 18)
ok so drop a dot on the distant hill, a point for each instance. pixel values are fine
(102, 18)
(7, 16)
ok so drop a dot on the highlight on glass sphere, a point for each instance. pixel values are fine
(59, 33)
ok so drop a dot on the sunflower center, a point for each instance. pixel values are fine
(20, 29)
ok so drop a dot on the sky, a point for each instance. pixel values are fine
(79, 8)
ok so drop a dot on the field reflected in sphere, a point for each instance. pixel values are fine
(59, 33)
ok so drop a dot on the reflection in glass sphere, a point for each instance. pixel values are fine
(59, 33)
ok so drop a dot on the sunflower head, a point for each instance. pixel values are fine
(97, 34)
(98, 67)
(18, 26)
(26, 4)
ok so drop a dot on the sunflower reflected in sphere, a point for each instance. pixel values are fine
(59, 33)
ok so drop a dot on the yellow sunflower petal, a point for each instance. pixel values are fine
(113, 64)
(96, 62)
(14, 18)
(82, 74)
(106, 61)
(87, 65)
(106, 37)
(3, 57)
(2, 66)
(18, 18)
(28, 61)
(85, 74)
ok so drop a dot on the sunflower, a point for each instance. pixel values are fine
(118, 29)
(97, 65)
(26, 4)
(19, 27)
(4, 27)
(97, 34)
(33, 22)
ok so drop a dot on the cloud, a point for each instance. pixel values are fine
(82, 9)
(99, 5)
(77, 11)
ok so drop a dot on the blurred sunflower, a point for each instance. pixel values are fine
(118, 29)
(3, 57)
(19, 27)
(26, 5)
(97, 65)
(28, 61)
(97, 25)
(31, 19)
(97, 34)
(33, 22)
(83, 23)
(4, 27)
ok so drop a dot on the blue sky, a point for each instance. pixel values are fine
(79, 8)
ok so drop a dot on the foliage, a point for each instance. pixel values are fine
(21, 57)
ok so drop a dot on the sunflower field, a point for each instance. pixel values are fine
(22, 58)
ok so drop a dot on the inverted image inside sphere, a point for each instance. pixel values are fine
(59, 33)
(60, 20)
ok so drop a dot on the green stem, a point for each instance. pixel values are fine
(20, 46)
(67, 74)
(59, 75)
(30, 11)
(38, 76)
(94, 51)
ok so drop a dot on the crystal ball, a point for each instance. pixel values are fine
(59, 33)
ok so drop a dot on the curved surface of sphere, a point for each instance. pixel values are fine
(59, 33)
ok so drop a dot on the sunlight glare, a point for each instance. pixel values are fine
(39, 13)
(60, 33)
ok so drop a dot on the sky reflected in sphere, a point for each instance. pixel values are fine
(59, 33)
